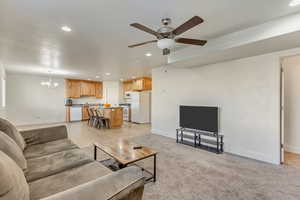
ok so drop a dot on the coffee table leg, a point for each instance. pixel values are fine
(95, 152)
(154, 173)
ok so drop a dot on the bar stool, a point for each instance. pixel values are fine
(105, 121)
(93, 116)
(91, 119)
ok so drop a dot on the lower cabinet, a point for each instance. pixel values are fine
(85, 113)
(115, 116)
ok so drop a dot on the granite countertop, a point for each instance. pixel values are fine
(84, 104)
(92, 104)
(112, 107)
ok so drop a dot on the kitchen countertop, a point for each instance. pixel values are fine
(124, 104)
(112, 107)
(83, 104)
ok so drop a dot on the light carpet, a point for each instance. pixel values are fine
(186, 173)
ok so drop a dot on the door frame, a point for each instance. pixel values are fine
(282, 108)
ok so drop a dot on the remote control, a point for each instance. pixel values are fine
(138, 147)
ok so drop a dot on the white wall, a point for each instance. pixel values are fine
(291, 67)
(247, 92)
(30, 103)
(112, 92)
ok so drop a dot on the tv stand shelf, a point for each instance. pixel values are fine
(204, 140)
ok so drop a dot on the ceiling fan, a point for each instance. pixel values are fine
(166, 35)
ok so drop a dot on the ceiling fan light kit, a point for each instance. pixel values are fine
(166, 35)
(165, 43)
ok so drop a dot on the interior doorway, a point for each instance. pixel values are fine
(290, 110)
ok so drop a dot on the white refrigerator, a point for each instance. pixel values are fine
(140, 107)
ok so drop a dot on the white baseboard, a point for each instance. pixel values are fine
(252, 155)
(164, 133)
(292, 149)
(239, 152)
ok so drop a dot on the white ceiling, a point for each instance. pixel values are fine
(31, 40)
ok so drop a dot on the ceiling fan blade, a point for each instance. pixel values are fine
(191, 41)
(140, 44)
(194, 21)
(146, 29)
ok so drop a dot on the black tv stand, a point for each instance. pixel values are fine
(200, 139)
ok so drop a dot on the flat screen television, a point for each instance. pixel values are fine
(200, 118)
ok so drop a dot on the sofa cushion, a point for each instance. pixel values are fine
(13, 184)
(38, 150)
(55, 163)
(10, 130)
(46, 134)
(125, 184)
(65, 180)
(10, 148)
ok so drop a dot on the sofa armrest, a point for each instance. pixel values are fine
(43, 135)
(125, 184)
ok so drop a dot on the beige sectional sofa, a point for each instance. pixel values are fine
(45, 164)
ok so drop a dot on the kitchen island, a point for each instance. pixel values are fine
(114, 115)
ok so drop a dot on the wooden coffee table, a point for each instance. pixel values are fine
(124, 153)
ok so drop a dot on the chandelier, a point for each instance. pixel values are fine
(50, 83)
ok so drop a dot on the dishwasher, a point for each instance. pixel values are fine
(75, 113)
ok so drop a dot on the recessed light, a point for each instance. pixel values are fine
(97, 76)
(66, 29)
(89, 79)
(107, 74)
(148, 54)
(294, 3)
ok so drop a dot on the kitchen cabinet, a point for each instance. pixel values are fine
(138, 84)
(82, 88)
(68, 108)
(115, 116)
(142, 84)
(127, 85)
(73, 88)
(99, 90)
(87, 88)
(85, 112)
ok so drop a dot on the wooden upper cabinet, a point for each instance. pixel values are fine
(142, 84)
(92, 89)
(68, 85)
(81, 88)
(127, 85)
(99, 90)
(76, 89)
(87, 88)
(84, 89)
(72, 88)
